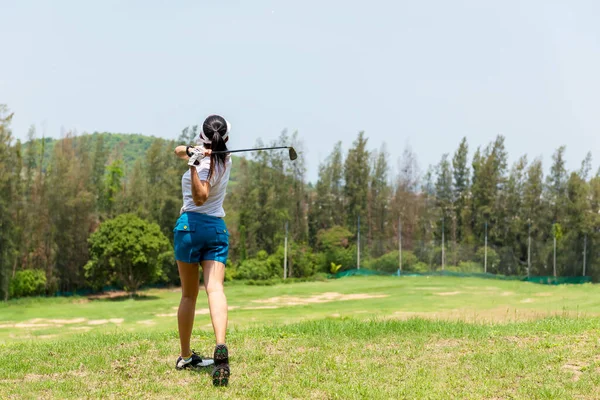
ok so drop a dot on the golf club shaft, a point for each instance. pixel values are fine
(243, 150)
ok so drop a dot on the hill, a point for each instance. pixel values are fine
(128, 146)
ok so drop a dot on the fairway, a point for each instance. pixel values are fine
(375, 337)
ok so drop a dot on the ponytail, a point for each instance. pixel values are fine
(217, 144)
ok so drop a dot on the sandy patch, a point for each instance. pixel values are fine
(527, 301)
(30, 325)
(46, 336)
(147, 322)
(319, 298)
(167, 315)
(106, 321)
(261, 308)
(98, 322)
(448, 293)
(544, 294)
(507, 293)
(202, 311)
(336, 315)
(4, 326)
(67, 321)
(108, 295)
(575, 369)
(494, 315)
(81, 328)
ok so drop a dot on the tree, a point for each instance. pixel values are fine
(7, 179)
(461, 174)
(378, 208)
(356, 174)
(406, 204)
(126, 251)
(112, 186)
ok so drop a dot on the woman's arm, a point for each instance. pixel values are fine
(200, 189)
(182, 151)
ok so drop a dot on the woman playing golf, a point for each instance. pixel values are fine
(201, 237)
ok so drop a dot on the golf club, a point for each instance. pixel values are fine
(293, 154)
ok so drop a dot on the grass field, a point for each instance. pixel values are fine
(373, 337)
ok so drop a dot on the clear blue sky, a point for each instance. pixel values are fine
(420, 72)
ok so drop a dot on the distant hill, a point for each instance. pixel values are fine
(128, 147)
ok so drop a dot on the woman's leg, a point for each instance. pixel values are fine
(214, 274)
(190, 285)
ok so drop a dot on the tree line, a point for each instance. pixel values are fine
(53, 200)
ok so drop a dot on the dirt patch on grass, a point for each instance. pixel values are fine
(67, 321)
(106, 321)
(318, 298)
(575, 368)
(147, 322)
(46, 336)
(261, 308)
(527, 301)
(504, 294)
(448, 293)
(544, 294)
(494, 315)
(108, 295)
(202, 311)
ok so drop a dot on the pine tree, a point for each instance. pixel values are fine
(7, 179)
(356, 174)
(461, 175)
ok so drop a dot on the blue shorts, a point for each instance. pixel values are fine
(200, 237)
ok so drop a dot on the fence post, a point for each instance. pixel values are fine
(485, 251)
(399, 246)
(358, 245)
(285, 251)
(584, 253)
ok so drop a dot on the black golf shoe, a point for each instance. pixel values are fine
(195, 361)
(221, 370)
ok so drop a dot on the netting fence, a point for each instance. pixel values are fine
(536, 261)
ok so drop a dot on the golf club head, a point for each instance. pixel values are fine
(293, 154)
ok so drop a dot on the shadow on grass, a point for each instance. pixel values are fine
(136, 297)
(202, 371)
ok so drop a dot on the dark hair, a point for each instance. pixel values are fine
(215, 127)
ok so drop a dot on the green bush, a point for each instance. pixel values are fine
(420, 267)
(30, 282)
(389, 262)
(254, 269)
(231, 271)
(127, 251)
(493, 259)
(467, 267)
(303, 262)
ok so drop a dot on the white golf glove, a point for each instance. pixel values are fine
(197, 155)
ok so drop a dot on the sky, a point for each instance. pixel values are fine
(417, 73)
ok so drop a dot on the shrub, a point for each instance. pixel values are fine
(254, 269)
(420, 267)
(493, 260)
(389, 262)
(467, 267)
(30, 282)
(125, 251)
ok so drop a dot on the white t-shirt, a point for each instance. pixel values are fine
(218, 188)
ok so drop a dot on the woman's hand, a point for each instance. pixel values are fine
(198, 153)
(205, 152)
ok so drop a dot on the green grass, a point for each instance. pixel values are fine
(397, 338)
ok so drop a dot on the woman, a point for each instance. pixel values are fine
(201, 237)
